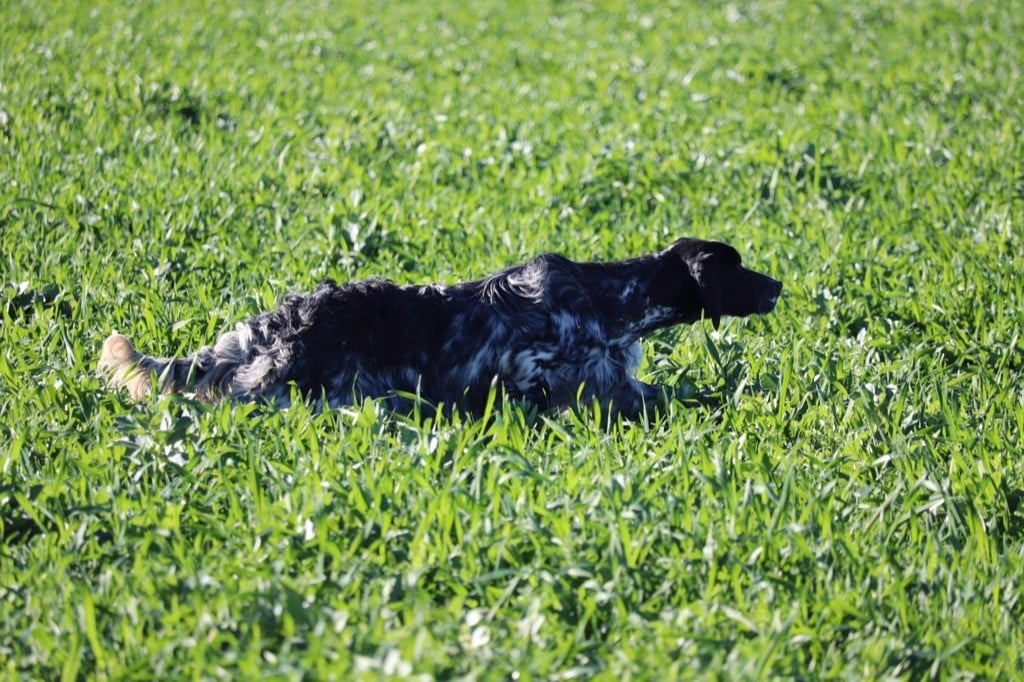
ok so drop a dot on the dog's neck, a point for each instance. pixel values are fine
(637, 296)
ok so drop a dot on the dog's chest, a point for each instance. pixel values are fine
(573, 350)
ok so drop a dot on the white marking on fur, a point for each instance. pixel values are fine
(627, 292)
(529, 281)
(566, 324)
(603, 367)
(480, 360)
(253, 376)
(523, 370)
(652, 317)
(233, 347)
(634, 355)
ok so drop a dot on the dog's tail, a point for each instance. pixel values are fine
(127, 368)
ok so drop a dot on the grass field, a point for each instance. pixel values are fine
(844, 503)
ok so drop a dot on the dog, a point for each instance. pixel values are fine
(553, 332)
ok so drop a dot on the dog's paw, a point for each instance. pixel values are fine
(119, 361)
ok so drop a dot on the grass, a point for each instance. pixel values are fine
(848, 505)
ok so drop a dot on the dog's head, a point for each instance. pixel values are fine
(723, 286)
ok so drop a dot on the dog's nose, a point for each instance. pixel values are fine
(772, 296)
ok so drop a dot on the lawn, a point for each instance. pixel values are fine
(844, 500)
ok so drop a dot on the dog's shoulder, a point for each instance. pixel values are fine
(550, 279)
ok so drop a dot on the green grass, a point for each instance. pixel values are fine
(848, 505)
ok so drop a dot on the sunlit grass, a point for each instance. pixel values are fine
(835, 492)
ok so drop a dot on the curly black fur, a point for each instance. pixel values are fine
(549, 331)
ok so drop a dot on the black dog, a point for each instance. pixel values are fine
(551, 331)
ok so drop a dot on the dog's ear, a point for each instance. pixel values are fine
(704, 270)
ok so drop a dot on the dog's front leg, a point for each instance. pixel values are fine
(633, 398)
